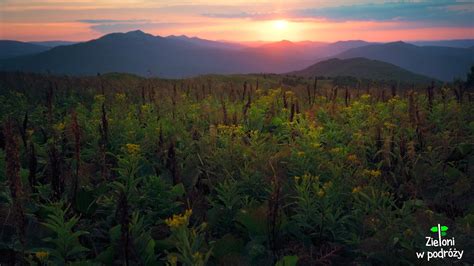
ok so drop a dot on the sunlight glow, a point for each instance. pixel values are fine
(280, 24)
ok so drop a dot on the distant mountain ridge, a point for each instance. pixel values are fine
(9, 48)
(444, 63)
(140, 53)
(362, 68)
(306, 50)
(461, 43)
(207, 43)
(143, 54)
(53, 43)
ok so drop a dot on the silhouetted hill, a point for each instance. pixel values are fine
(15, 48)
(444, 63)
(361, 68)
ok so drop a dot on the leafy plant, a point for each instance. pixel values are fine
(188, 241)
(66, 246)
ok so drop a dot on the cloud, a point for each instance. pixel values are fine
(229, 15)
(448, 13)
(253, 15)
(103, 21)
(440, 12)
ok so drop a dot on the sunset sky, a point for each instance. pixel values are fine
(239, 20)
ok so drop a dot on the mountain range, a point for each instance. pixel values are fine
(444, 63)
(173, 56)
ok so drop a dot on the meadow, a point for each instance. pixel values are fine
(231, 170)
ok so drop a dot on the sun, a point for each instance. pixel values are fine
(280, 24)
(279, 29)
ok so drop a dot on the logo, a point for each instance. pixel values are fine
(446, 244)
(442, 229)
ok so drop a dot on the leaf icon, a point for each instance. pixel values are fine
(434, 229)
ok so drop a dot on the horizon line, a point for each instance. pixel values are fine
(236, 42)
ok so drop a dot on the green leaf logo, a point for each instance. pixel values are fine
(444, 228)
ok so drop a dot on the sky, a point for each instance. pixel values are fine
(239, 20)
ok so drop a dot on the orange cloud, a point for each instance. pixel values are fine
(71, 31)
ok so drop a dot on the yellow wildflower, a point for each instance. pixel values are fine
(375, 173)
(172, 260)
(320, 193)
(408, 232)
(120, 96)
(394, 100)
(300, 153)
(42, 255)
(336, 150)
(99, 98)
(230, 130)
(365, 96)
(310, 178)
(356, 190)
(133, 149)
(327, 185)
(289, 93)
(179, 220)
(316, 145)
(353, 158)
(389, 125)
(197, 256)
(222, 127)
(146, 108)
(372, 173)
(59, 126)
(188, 213)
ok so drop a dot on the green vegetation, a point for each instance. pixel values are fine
(231, 170)
(362, 68)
